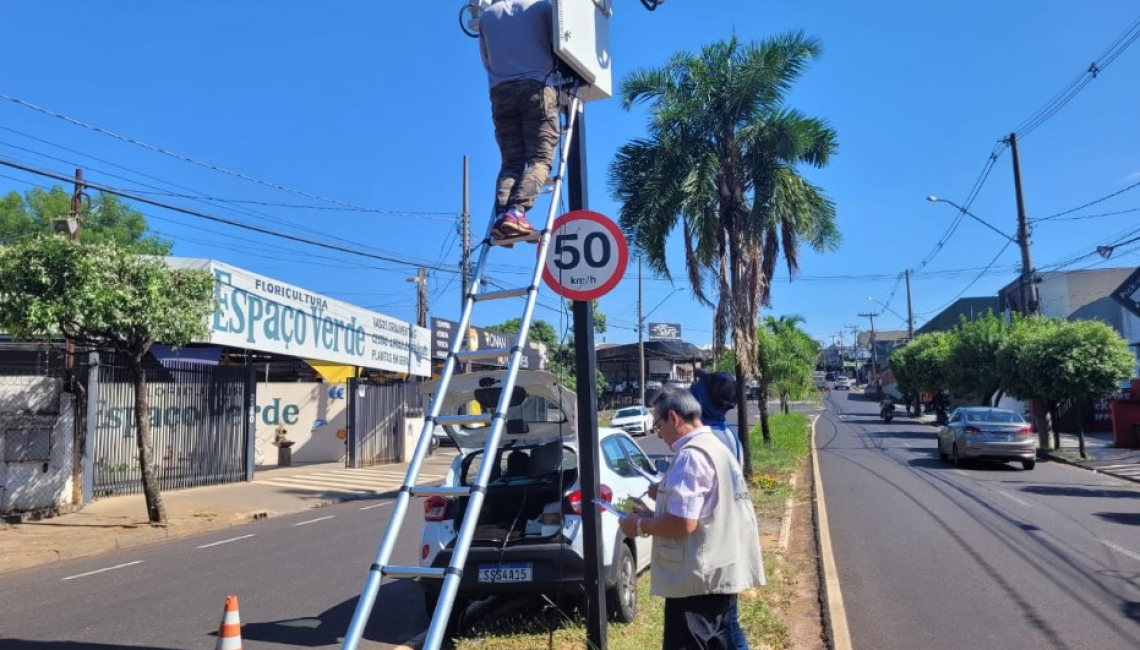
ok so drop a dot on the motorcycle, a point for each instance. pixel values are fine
(887, 413)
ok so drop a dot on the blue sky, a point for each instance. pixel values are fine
(375, 103)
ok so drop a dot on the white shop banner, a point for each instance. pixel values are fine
(258, 313)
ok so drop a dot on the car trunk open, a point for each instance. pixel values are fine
(526, 494)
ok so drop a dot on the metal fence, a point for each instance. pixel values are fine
(199, 416)
(376, 414)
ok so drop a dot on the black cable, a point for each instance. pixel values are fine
(1090, 203)
(230, 222)
(176, 156)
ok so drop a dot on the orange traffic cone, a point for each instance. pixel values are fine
(229, 632)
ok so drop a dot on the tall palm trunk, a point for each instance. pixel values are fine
(156, 511)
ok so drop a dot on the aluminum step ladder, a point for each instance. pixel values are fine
(453, 573)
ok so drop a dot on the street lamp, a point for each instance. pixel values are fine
(935, 199)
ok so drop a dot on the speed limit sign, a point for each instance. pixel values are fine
(587, 256)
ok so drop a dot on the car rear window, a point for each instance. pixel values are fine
(627, 413)
(993, 416)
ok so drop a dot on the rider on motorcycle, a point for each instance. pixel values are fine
(886, 406)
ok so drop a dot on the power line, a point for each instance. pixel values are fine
(975, 280)
(1061, 99)
(230, 222)
(1091, 203)
(178, 156)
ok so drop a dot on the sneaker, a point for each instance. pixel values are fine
(515, 226)
(498, 233)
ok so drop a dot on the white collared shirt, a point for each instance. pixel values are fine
(691, 479)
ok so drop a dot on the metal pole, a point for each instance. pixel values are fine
(909, 309)
(1028, 282)
(640, 338)
(578, 199)
(421, 297)
(466, 258)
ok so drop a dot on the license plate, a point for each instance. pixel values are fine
(517, 572)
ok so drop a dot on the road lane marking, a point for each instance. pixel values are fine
(110, 568)
(1015, 499)
(227, 541)
(1121, 550)
(837, 611)
(313, 521)
(377, 505)
(906, 444)
(963, 473)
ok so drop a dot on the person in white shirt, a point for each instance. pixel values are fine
(706, 545)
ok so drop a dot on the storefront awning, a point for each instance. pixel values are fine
(332, 373)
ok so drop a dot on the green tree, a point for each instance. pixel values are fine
(720, 169)
(105, 296)
(105, 218)
(789, 359)
(559, 355)
(923, 364)
(1053, 360)
(974, 346)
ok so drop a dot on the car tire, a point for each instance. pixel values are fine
(621, 599)
(1028, 464)
(431, 599)
(955, 458)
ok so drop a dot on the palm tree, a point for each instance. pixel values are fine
(719, 166)
(790, 357)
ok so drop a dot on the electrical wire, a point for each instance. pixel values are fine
(178, 156)
(230, 222)
(1066, 95)
(1091, 203)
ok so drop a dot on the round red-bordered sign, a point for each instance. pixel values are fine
(587, 256)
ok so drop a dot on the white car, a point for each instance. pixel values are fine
(843, 383)
(529, 535)
(634, 420)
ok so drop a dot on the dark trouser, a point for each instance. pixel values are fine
(525, 114)
(698, 622)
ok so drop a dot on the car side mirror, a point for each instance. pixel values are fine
(662, 465)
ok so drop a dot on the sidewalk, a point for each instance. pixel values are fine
(1101, 456)
(120, 522)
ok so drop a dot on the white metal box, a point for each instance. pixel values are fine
(582, 41)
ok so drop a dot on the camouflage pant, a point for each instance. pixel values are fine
(525, 114)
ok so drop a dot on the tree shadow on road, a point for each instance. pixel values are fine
(397, 616)
(1124, 518)
(1072, 491)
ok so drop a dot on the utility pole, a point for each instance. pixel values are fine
(1028, 281)
(640, 338)
(874, 361)
(465, 258)
(909, 310)
(421, 296)
(73, 225)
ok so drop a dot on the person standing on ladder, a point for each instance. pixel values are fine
(517, 51)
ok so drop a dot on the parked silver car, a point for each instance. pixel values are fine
(979, 432)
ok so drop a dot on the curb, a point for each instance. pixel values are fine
(835, 619)
(786, 525)
(1065, 461)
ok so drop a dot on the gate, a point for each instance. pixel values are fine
(198, 417)
(376, 415)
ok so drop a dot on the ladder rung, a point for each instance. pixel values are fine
(506, 293)
(411, 572)
(489, 353)
(511, 241)
(463, 419)
(440, 490)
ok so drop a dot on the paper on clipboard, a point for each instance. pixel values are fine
(609, 507)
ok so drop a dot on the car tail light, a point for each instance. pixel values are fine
(972, 431)
(1026, 431)
(574, 499)
(424, 552)
(435, 508)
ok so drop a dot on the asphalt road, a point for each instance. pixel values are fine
(297, 579)
(990, 556)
